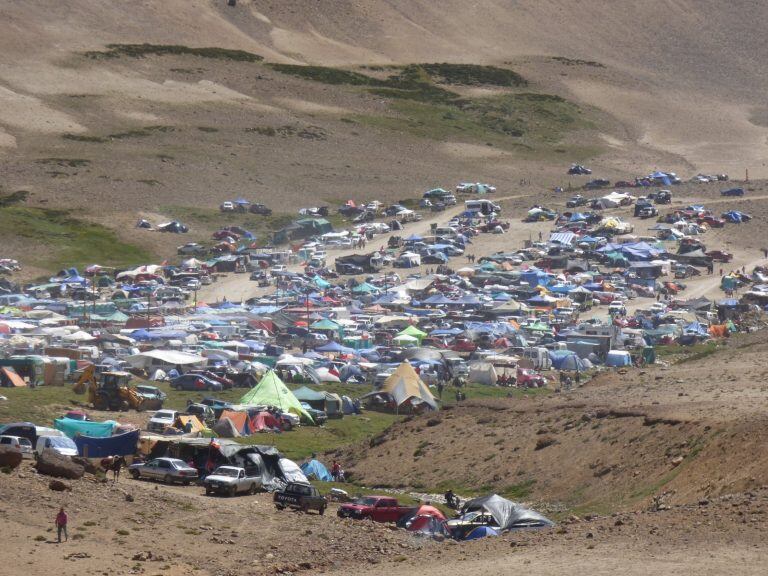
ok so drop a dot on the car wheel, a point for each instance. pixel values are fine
(232, 491)
(322, 510)
(279, 507)
(168, 479)
(252, 489)
(186, 482)
(207, 491)
(135, 474)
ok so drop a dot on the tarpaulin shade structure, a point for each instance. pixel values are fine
(118, 445)
(508, 514)
(72, 427)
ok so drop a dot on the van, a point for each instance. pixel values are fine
(483, 206)
(59, 444)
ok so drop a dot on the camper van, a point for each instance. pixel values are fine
(483, 206)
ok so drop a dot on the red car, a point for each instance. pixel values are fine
(226, 383)
(530, 379)
(712, 221)
(720, 256)
(378, 508)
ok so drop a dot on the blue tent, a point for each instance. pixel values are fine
(481, 532)
(414, 238)
(618, 358)
(335, 348)
(120, 445)
(566, 360)
(316, 469)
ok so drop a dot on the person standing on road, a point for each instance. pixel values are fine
(61, 524)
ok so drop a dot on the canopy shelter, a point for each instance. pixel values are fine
(271, 391)
(508, 514)
(406, 388)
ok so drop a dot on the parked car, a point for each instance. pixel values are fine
(151, 394)
(319, 417)
(191, 249)
(300, 496)
(597, 183)
(720, 255)
(732, 192)
(168, 470)
(226, 383)
(377, 508)
(579, 170)
(576, 201)
(161, 419)
(348, 268)
(260, 209)
(460, 527)
(20, 443)
(59, 444)
(231, 480)
(195, 382)
(227, 207)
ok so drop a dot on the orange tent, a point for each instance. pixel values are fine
(239, 419)
(12, 379)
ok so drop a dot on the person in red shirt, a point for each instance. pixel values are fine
(336, 471)
(61, 524)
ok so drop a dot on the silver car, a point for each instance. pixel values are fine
(168, 470)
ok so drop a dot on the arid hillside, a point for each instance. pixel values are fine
(687, 431)
(217, 105)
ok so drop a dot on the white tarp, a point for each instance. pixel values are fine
(170, 357)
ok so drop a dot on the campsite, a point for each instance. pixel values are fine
(383, 287)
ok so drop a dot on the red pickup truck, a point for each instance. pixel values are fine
(378, 508)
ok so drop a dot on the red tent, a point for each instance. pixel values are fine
(264, 420)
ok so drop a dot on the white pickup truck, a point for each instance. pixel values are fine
(231, 480)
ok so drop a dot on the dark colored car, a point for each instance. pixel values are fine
(576, 201)
(195, 382)
(732, 192)
(348, 268)
(720, 255)
(319, 417)
(300, 496)
(260, 209)
(579, 170)
(597, 183)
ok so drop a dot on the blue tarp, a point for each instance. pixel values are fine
(481, 532)
(316, 469)
(566, 360)
(120, 445)
(72, 427)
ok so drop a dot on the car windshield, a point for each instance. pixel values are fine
(226, 471)
(367, 501)
(164, 414)
(62, 442)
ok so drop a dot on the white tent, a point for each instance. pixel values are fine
(164, 357)
(482, 373)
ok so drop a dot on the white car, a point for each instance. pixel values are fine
(161, 419)
(658, 307)
(617, 307)
(227, 207)
(193, 284)
(21, 443)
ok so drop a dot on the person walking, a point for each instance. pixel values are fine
(61, 524)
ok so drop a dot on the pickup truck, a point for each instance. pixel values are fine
(378, 508)
(231, 480)
(300, 496)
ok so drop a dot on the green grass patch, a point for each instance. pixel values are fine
(69, 241)
(64, 162)
(325, 74)
(211, 217)
(480, 391)
(140, 132)
(681, 354)
(474, 75)
(143, 50)
(84, 138)
(518, 491)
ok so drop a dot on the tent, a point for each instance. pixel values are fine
(119, 445)
(189, 424)
(316, 469)
(72, 428)
(507, 514)
(239, 421)
(482, 373)
(271, 391)
(405, 386)
(225, 428)
(9, 378)
(264, 421)
(481, 532)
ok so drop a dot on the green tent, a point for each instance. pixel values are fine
(325, 324)
(413, 331)
(271, 391)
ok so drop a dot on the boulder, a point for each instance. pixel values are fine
(59, 486)
(52, 463)
(90, 467)
(10, 457)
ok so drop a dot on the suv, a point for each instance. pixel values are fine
(300, 496)
(161, 419)
(22, 444)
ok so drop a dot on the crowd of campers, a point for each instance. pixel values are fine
(415, 322)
